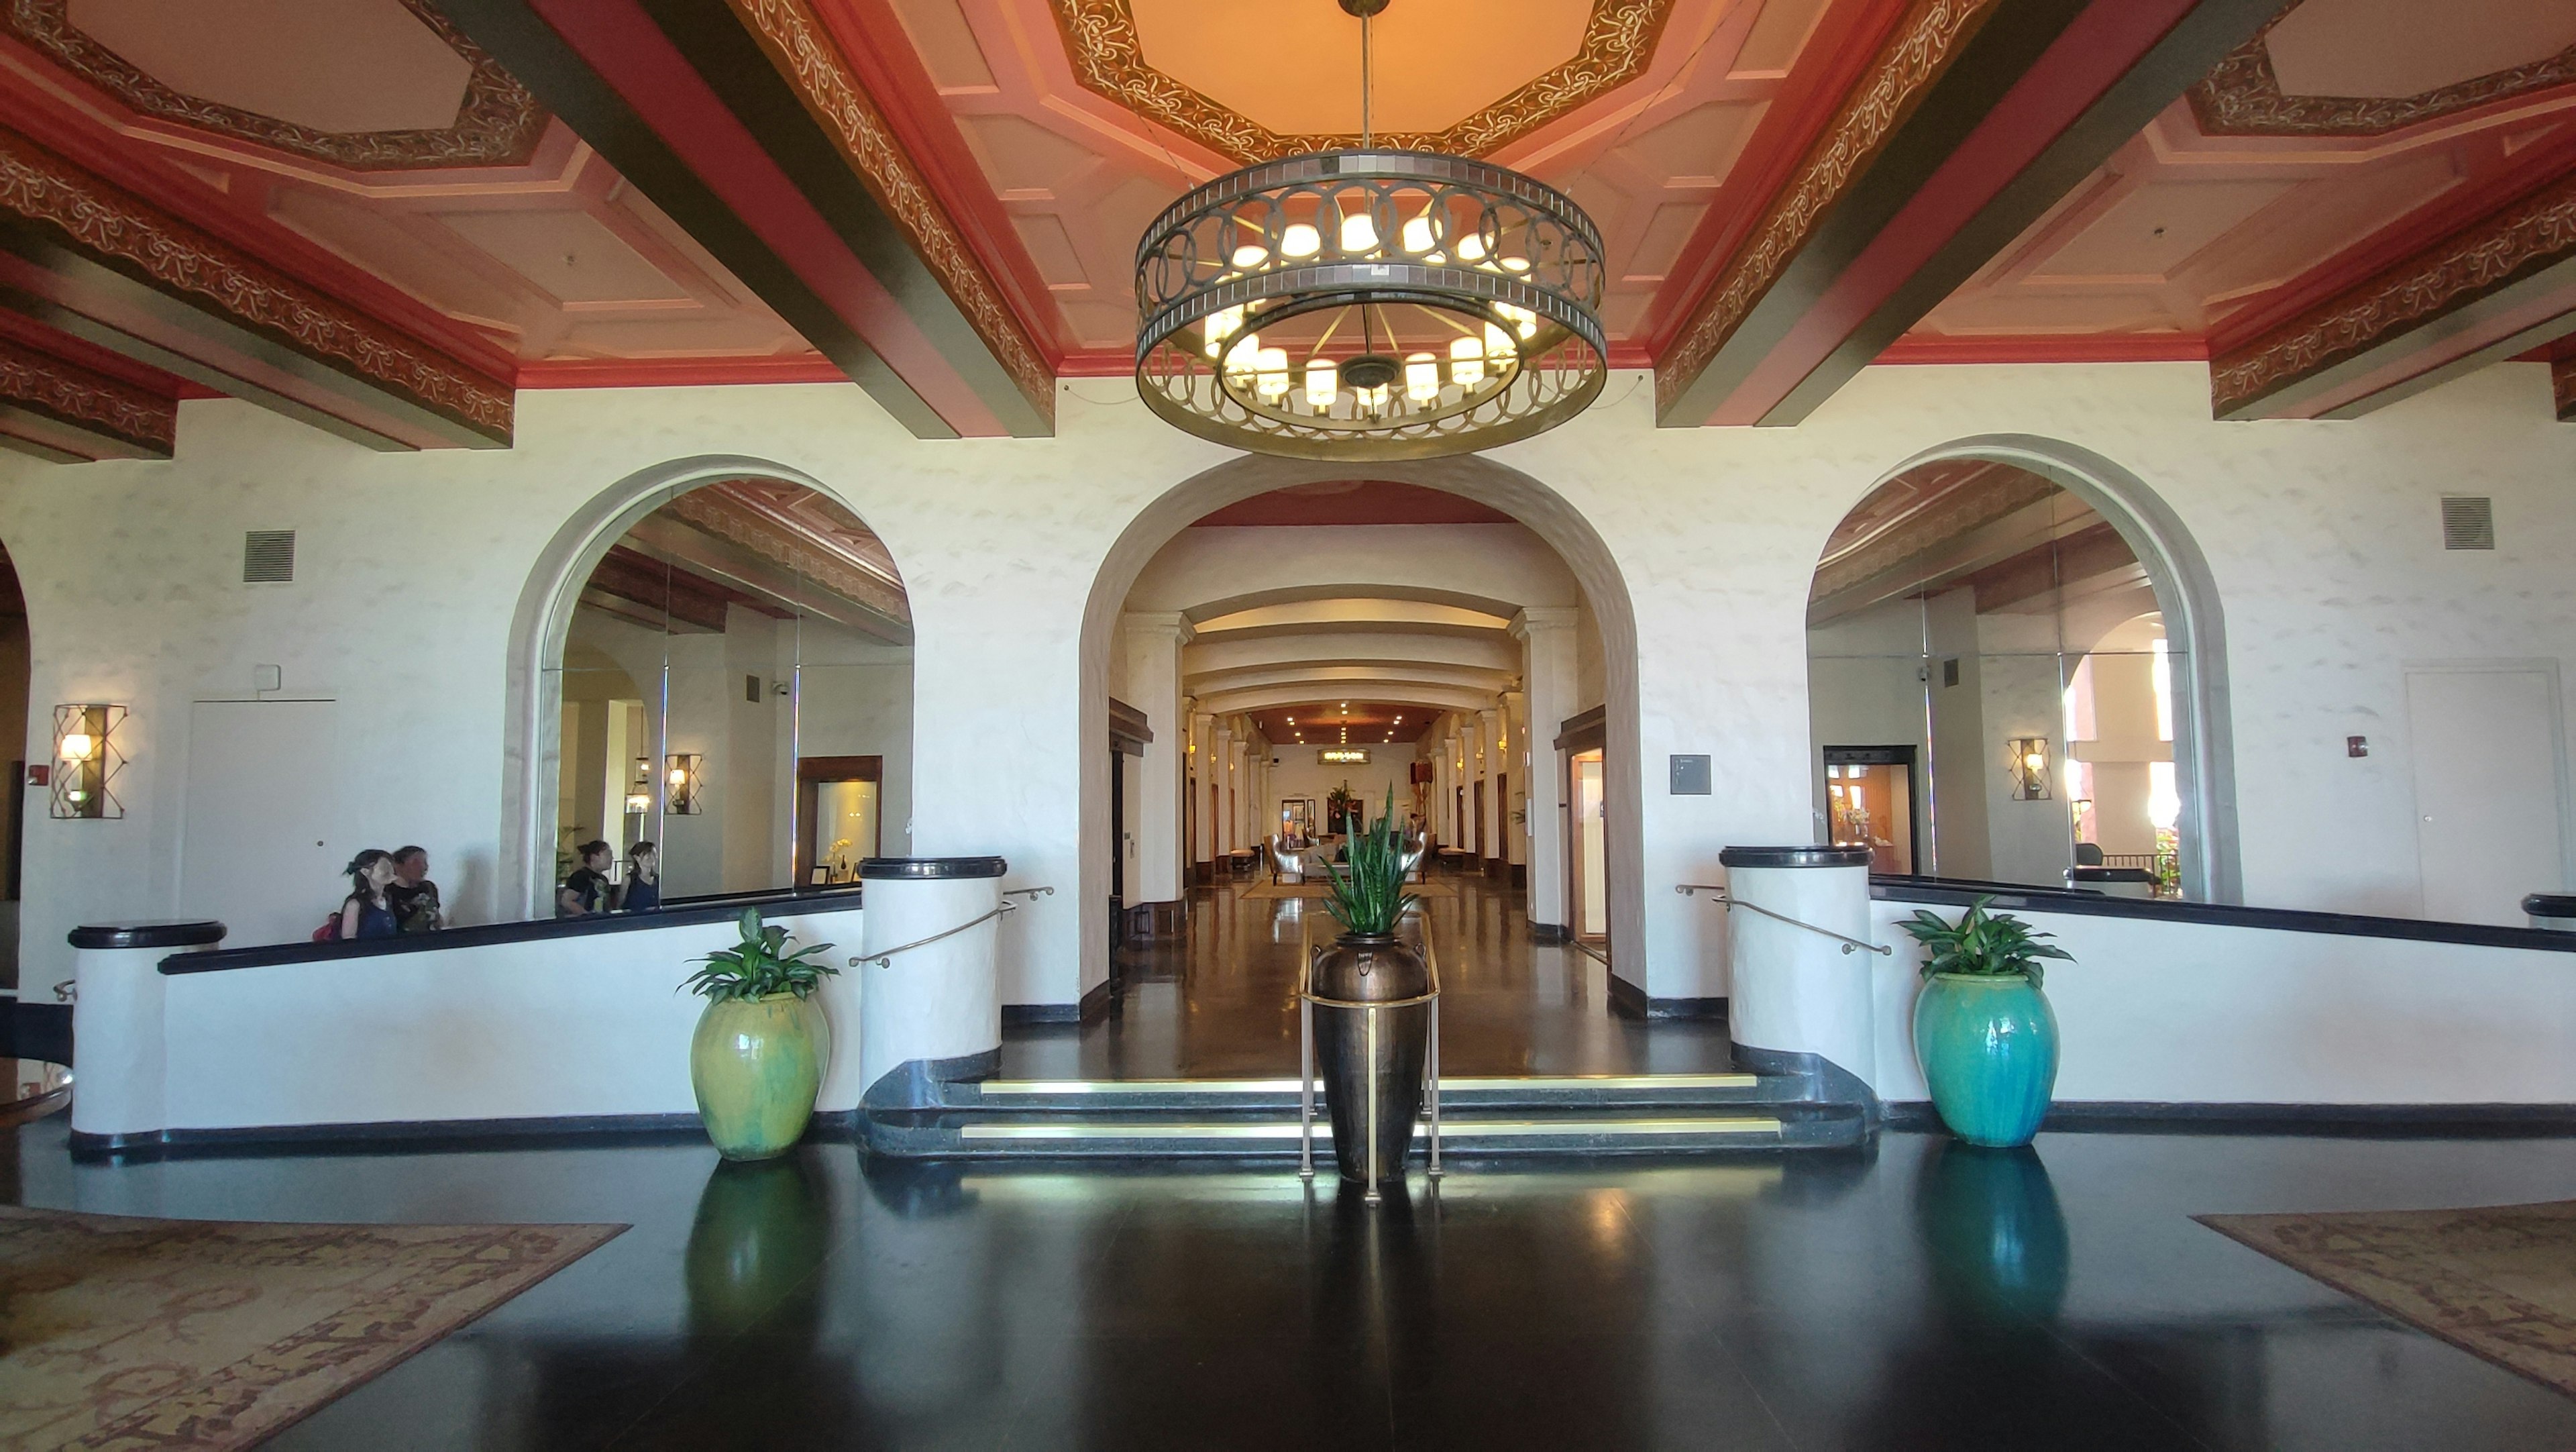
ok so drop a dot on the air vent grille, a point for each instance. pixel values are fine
(2468, 522)
(268, 557)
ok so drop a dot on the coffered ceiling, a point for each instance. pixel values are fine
(383, 217)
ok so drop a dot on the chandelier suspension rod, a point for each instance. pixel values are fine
(1367, 85)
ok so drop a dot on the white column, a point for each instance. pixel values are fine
(1513, 762)
(1238, 790)
(1547, 679)
(1489, 760)
(1153, 648)
(1203, 767)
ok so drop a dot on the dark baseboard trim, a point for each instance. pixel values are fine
(1550, 933)
(1627, 1000)
(1158, 919)
(416, 1136)
(1520, 875)
(1685, 1008)
(1020, 1015)
(2392, 1121)
(1095, 1004)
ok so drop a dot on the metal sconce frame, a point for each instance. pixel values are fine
(2029, 766)
(639, 792)
(680, 777)
(86, 761)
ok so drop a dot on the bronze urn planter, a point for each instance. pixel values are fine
(1370, 1020)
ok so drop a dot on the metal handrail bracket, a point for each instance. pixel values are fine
(1729, 900)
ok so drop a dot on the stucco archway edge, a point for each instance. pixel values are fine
(537, 629)
(1540, 508)
(2195, 627)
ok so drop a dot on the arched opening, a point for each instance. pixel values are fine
(717, 661)
(1459, 595)
(2016, 668)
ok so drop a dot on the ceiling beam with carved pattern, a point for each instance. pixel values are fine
(2562, 382)
(93, 260)
(685, 103)
(1973, 119)
(2499, 286)
(59, 411)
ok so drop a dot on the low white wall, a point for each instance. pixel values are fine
(580, 1025)
(2191, 1013)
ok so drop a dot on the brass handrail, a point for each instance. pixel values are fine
(1727, 899)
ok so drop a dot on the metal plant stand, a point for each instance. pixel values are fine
(1307, 1001)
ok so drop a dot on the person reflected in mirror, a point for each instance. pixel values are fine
(413, 897)
(643, 891)
(585, 890)
(365, 912)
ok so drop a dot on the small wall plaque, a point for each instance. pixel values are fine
(1690, 776)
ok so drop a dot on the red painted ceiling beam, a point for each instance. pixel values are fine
(2033, 101)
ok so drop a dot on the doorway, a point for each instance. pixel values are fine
(839, 823)
(1587, 796)
(1869, 793)
(2490, 793)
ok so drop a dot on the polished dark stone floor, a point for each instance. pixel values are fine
(1220, 1001)
(1923, 1297)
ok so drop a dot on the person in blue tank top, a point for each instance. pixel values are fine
(643, 891)
(365, 912)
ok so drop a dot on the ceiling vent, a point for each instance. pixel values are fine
(2468, 522)
(268, 557)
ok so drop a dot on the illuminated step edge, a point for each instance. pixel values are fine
(1472, 1129)
(1013, 1088)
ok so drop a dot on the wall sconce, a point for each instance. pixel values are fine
(2029, 768)
(680, 779)
(86, 760)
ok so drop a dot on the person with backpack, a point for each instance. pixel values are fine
(365, 912)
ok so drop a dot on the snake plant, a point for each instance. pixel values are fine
(1367, 896)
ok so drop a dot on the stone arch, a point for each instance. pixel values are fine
(1541, 509)
(2195, 625)
(538, 630)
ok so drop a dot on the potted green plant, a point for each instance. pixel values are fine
(1372, 1075)
(1982, 1027)
(757, 1058)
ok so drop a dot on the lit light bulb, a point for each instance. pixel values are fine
(1272, 368)
(1422, 378)
(77, 746)
(1516, 264)
(1239, 361)
(1221, 325)
(1417, 235)
(1466, 362)
(1300, 240)
(2034, 761)
(1471, 248)
(1323, 385)
(1359, 233)
(1522, 319)
(679, 777)
(1251, 255)
(1498, 345)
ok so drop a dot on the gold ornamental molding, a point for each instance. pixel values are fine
(1109, 61)
(1924, 44)
(2538, 231)
(133, 237)
(499, 123)
(729, 518)
(2243, 96)
(47, 385)
(813, 64)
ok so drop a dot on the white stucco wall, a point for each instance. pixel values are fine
(2322, 538)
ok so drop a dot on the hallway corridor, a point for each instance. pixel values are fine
(1219, 1002)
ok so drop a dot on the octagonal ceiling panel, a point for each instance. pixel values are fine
(1461, 76)
(2372, 67)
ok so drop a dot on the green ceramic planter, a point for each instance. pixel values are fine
(1988, 1045)
(756, 1065)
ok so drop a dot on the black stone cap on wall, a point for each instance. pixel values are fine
(929, 869)
(2109, 874)
(1794, 857)
(2551, 904)
(149, 933)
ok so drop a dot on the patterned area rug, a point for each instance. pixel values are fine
(1267, 891)
(129, 1333)
(2499, 1282)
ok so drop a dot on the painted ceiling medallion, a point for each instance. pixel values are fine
(2243, 96)
(1370, 303)
(498, 124)
(1109, 60)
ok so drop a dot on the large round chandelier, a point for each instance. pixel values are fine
(1370, 304)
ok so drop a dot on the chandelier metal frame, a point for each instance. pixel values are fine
(1511, 267)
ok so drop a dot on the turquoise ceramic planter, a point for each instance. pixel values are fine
(756, 1065)
(1989, 1051)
